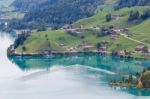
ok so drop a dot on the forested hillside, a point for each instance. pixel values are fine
(26, 5)
(54, 14)
(130, 3)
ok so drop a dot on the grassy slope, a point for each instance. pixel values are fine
(108, 6)
(37, 41)
(140, 30)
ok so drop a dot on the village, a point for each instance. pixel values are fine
(113, 32)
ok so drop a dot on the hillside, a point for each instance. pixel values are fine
(60, 40)
(135, 27)
(27, 5)
(139, 29)
(47, 13)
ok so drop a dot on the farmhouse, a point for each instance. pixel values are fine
(102, 49)
(67, 26)
(141, 49)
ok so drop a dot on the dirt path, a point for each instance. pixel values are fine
(134, 39)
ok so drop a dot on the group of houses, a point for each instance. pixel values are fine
(121, 53)
(70, 28)
(140, 49)
(114, 32)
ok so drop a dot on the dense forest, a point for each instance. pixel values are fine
(54, 13)
(130, 3)
(27, 5)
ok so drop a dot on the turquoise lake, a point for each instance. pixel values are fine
(82, 76)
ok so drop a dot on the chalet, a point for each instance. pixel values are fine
(67, 26)
(141, 49)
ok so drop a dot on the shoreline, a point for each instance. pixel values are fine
(57, 54)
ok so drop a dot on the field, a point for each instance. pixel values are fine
(53, 39)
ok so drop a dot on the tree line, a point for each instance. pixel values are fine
(135, 15)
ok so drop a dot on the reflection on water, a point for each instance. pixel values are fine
(107, 67)
(114, 64)
(65, 77)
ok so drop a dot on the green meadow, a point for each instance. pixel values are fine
(52, 39)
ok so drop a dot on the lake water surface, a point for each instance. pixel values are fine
(65, 77)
